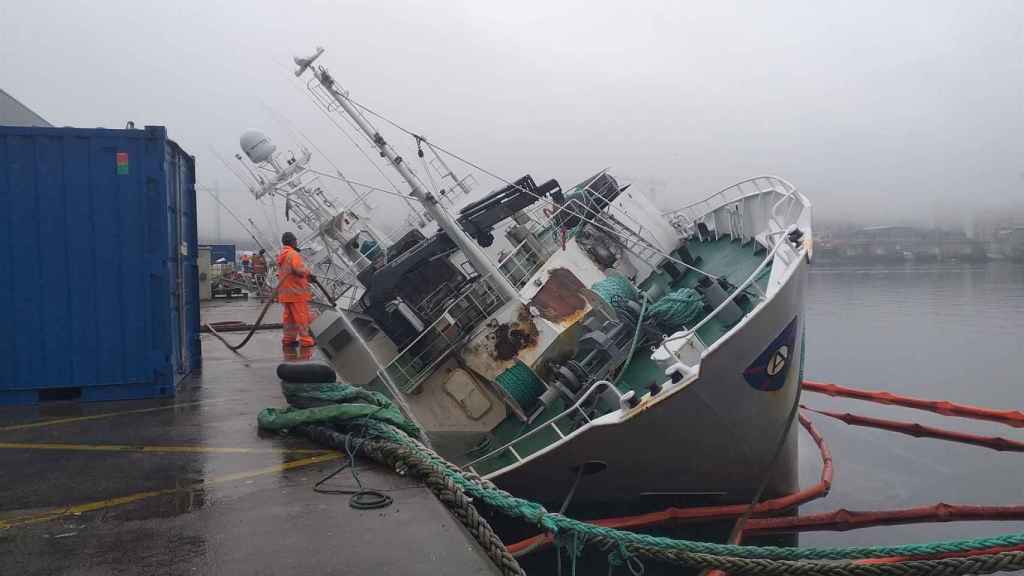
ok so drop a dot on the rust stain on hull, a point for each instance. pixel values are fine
(562, 300)
(512, 337)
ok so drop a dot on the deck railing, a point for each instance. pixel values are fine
(779, 229)
(551, 425)
(458, 321)
(461, 317)
(750, 281)
(686, 216)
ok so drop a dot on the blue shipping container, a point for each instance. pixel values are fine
(100, 279)
(218, 251)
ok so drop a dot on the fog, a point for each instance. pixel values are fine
(878, 111)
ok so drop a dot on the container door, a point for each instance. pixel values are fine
(175, 263)
(190, 241)
(186, 284)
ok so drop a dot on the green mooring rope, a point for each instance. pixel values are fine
(385, 441)
(557, 523)
(617, 291)
(521, 384)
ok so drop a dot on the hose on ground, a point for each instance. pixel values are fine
(259, 320)
(255, 326)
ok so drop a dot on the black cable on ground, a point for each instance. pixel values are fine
(448, 492)
(255, 327)
(259, 321)
(361, 498)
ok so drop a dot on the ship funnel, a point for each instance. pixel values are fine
(257, 146)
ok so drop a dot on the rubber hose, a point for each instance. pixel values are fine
(259, 321)
(255, 326)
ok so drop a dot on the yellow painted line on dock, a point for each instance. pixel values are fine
(130, 498)
(108, 415)
(154, 449)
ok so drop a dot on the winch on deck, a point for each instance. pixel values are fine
(622, 321)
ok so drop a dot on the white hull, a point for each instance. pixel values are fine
(715, 436)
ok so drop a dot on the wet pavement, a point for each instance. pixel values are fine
(187, 486)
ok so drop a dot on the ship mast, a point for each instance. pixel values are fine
(474, 253)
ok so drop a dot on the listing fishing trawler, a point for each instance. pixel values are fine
(539, 333)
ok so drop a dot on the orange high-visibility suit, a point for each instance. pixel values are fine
(293, 293)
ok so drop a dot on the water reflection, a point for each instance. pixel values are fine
(939, 332)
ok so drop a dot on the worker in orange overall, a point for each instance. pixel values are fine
(293, 293)
(259, 271)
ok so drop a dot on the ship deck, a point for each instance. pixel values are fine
(722, 257)
(186, 486)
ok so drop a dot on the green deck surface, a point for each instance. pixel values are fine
(722, 257)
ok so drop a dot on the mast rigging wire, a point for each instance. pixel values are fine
(233, 215)
(357, 183)
(337, 169)
(330, 117)
(583, 217)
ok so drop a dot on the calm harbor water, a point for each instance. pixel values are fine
(938, 331)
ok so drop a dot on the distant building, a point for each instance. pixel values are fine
(1010, 242)
(904, 243)
(14, 113)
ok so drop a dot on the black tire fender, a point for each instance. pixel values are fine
(306, 373)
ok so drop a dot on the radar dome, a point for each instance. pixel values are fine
(257, 146)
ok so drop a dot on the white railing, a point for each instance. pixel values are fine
(750, 281)
(551, 424)
(523, 261)
(418, 359)
(688, 215)
(791, 199)
(520, 264)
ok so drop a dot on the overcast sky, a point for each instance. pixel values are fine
(879, 111)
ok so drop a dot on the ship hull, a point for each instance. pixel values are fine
(713, 440)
